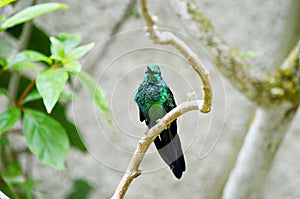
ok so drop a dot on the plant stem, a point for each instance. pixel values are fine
(25, 37)
(14, 81)
(115, 29)
(25, 93)
(13, 85)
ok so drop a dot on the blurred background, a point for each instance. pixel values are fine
(211, 141)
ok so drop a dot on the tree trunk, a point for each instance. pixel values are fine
(256, 156)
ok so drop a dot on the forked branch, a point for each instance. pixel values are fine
(165, 38)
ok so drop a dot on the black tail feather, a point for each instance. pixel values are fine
(169, 147)
(178, 167)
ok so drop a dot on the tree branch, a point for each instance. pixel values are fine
(293, 59)
(256, 156)
(276, 92)
(168, 38)
(243, 76)
(165, 38)
(143, 145)
(263, 88)
(115, 29)
(289, 76)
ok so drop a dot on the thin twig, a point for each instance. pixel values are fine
(14, 81)
(168, 38)
(125, 16)
(26, 34)
(143, 145)
(25, 93)
(13, 87)
(292, 59)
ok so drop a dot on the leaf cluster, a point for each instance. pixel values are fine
(45, 127)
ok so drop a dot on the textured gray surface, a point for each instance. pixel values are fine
(246, 25)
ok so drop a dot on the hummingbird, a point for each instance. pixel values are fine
(155, 99)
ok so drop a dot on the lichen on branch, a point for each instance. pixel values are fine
(264, 88)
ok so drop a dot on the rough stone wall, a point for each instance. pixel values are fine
(212, 141)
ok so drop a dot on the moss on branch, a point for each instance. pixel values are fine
(265, 88)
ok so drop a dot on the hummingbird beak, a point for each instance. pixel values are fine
(148, 70)
(152, 71)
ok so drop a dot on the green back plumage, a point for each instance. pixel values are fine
(155, 99)
(154, 91)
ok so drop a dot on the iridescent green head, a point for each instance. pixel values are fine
(152, 74)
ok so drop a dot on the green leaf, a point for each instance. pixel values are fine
(67, 95)
(28, 56)
(8, 118)
(81, 190)
(7, 189)
(80, 51)
(73, 66)
(135, 13)
(95, 93)
(68, 41)
(21, 185)
(190, 95)
(13, 174)
(25, 66)
(59, 113)
(5, 2)
(28, 186)
(35, 95)
(2, 18)
(56, 48)
(30, 13)
(50, 82)
(4, 141)
(3, 92)
(46, 138)
(3, 62)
